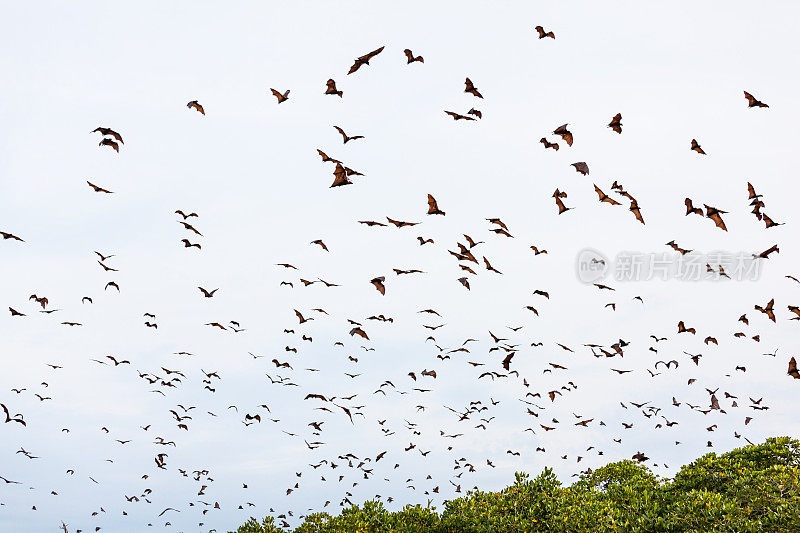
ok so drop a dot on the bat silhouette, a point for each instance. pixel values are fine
(547, 144)
(364, 60)
(692, 209)
(433, 207)
(330, 90)
(456, 116)
(206, 293)
(768, 310)
(325, 157)
(340, 176)
(107, 268)
(793, 369)
(410, 56)
(470, 88)
(281, 97)
(194, 104)
(604, 197)
(187, 244)
(184, 215)
(616, 123)
(7, 236)
(108, 131)
(683, 329)
(715, 214)
(765, 254)
(752, 102)
(666, 363)
(475, 112)
(109, 142)
(696, 147)
(564, 133)
(9, 418)
(189, 227)
(400, 223)
(677, 248)
(558, 195)
(581, 167)
(360, 332)
(378, 283)
(345, 137)
(543, 34)
(634, 208)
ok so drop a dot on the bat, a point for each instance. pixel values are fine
(400, 223)
(98, 189)
(696, 147)
(470, 88)
(184, 215)
(465, 282)
(207, 294)
(378, 283)
(325, 157)
(345, 137)
(410, 56)
(715, 214)
(490, 268)
(752, 102)
(187, 244)
(692, 209)
(7, 236)
(634, 208)
(677, 248)
(281, 97)
(793, 369)
(768, 310)
(190, 227)
(433, 207)
(543, 34)
(769, 222)
(196, 106)
(558, 195)
(364, 60)
(604, 197)
(683, 329)
(548, 144)
(330, 90)
(109, 142)
(456, 116)
(475, 112)
(340, 176)
(765, 254)
(360, 332)
(581, 167)
(616, 123)
(564, 133)
(108, 131)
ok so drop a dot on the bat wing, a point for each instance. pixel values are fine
(792, 371)
(637, 212)
(409, 55)
(718, 221)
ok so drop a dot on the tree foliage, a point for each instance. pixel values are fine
(754, 488)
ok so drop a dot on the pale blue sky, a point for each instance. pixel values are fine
(249, 167)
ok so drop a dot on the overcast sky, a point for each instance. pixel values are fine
(249, 168)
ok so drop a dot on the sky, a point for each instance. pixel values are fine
(250, 169)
